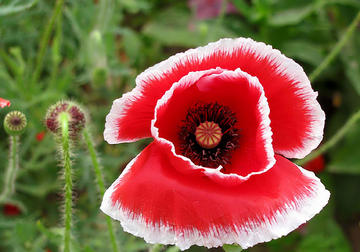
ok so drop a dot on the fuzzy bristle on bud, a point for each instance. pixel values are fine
(15, 123)
(77, 118)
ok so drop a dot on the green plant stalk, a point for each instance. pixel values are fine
(65, 144)
(335, 51)
(105, 12)
(100, 181)
(56, 54)
(334, 140)
(45, 40)
(10, 176)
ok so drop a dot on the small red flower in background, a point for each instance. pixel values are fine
(40, 136)
(316, 165)
(223, 118)
(11, 210)
(4, 103)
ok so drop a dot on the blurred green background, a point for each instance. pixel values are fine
(92, 50)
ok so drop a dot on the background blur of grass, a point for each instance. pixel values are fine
(94, 53)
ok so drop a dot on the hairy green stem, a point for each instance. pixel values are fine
(10, 176)
(45, 40)
(333, 140)
(65, 144)
(335, 51)
(100, 181)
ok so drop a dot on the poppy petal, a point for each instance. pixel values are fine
(242, 94)
(297, 120)
(4, 103)
(151, 199)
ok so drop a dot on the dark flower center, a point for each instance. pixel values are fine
(15, 121)
(208, 134)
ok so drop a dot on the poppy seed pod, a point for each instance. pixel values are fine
(15, 123)
(76, 117)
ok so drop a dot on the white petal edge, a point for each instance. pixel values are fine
(118, 111)
(286, 66)
(286, 220)
(263, 107)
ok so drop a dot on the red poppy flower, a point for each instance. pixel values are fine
(11, 210)
(223, 118)
(316, 165)
(40, 136)
(4, 103)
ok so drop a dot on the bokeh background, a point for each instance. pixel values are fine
(92, 50)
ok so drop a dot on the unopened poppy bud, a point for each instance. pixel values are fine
(15, 123)
(75, 113)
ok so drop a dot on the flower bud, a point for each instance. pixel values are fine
(15, 123)
(75, 113)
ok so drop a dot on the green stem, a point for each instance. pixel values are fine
(100, 181)
(56, 53)
(65, 141)
(10, 176)
(335, 51)
(334, 140)
(105, 12)
(45, 40)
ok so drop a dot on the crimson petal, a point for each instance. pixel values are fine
(153, 200)
(242, 94)
(4, 103)
(297, 120)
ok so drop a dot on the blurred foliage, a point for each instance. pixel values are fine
(96, 49)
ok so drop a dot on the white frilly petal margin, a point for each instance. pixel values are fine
(118, 111)
(291, 216)
(262, 106)
(286, 66)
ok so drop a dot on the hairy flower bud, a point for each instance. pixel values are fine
(76, 117)
(15, 123)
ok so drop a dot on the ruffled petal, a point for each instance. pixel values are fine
(123, 124)
(153, 200)
(242, 94)
(296, 117)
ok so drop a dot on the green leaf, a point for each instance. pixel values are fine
(346, 159)
(305, 51)
(173, 28)
(243, 7)
(323, 234)
(291, 16)
(14, 7)
(232, 248)
(350, 57)
(132, 44)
